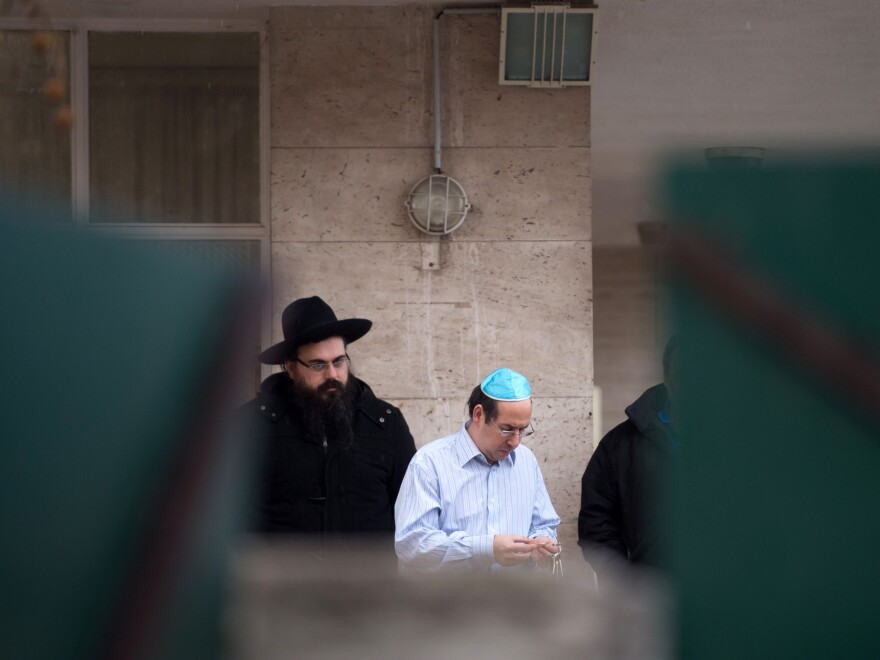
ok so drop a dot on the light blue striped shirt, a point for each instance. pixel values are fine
(453, 502)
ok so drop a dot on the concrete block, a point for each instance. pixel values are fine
(345, 194)
(313, 600)
(525, 305)
(477, 111)
(563, 443)
(351, 77)
(360, 194)
(523, 194)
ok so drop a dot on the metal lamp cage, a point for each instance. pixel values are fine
(437, 205)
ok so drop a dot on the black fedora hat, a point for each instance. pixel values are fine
(308, 320)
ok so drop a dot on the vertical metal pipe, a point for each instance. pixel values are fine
(437, 136)
(466, 10)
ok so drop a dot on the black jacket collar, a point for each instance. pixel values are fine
(643, 412)
(275, 399)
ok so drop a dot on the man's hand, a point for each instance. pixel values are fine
(512, 550)
(543, 549)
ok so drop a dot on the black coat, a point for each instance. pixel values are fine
(305, 487)
(623, 488)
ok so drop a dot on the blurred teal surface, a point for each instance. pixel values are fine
(777, 497)
(112, 355)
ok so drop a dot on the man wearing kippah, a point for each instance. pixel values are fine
(475, 501)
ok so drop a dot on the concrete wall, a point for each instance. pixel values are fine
(351, 132)
(629, 330)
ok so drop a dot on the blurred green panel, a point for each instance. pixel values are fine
(777, 493)
(118, 477)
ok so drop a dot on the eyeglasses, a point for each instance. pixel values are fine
(509, 433)
(318, 366)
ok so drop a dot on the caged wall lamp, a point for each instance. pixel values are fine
(437, 204)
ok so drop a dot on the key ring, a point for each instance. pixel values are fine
(557, 563)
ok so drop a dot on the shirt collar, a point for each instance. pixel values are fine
(467, 450)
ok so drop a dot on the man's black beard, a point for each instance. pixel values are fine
(326, 417)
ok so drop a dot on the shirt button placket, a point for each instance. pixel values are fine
(492, 502)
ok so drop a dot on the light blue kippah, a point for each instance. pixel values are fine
(506, 385)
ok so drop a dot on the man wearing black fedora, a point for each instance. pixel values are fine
(331, 454)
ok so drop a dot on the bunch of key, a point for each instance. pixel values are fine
(556, 571)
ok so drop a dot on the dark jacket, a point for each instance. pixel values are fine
(624, 485)
(305, 487)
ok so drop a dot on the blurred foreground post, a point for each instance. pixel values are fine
(776, 305)
(120, 483)
(297, 600)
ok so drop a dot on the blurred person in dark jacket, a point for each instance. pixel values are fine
(622, 489)
(331, 455)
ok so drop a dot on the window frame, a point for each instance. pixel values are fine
(79, 30)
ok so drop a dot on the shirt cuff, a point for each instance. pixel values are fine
(483, 550)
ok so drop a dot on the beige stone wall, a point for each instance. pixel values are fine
(629, 331)
(351, 132)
